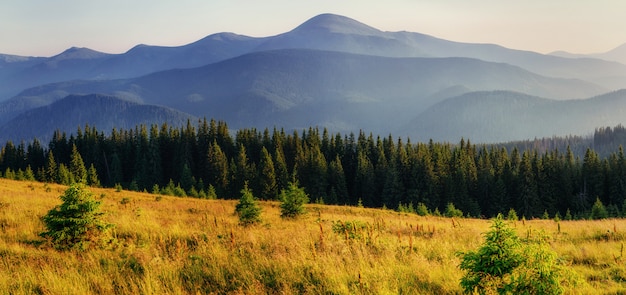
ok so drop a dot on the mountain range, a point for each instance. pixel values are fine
(331, 71)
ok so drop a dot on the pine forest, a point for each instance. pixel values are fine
(206, 161)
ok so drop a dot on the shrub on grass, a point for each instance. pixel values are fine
(598, 211)
(504, 265)
(422, 210)
(512, 216)
(247, 209)
(76, 223)
(452, 211)
(292, 200)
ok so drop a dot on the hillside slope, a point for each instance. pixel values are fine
(506, 116)
(184, 245)
(74, 111)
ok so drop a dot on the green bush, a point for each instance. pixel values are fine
(247, 209)
(422, 210)
(512, 216)
(292, 200)
(598, 211)
(505, 265)
(452, 211)
(76, 223)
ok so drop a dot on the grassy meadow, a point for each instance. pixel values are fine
(170, 245)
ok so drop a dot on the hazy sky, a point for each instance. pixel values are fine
(46, 27)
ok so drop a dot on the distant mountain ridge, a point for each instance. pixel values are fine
(75, 111)
(323, 32)
(298, 88)
(501, 116)
(617, 54)
(330, 71)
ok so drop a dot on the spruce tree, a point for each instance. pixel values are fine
(51, 168)
(92, 176)
(267, 176)
(64, 175)
(337, 182)
(598, 211)
(247, 209)
(77, 166)
(77, 222)
(292, 200)
(280, 167)
(218, 169)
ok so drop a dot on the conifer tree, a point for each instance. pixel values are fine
(267, 176)
(187, 181)
(51, 168)
(280, 166)
(117, 171)
(218, 169)
(77, 166)
(247, 209)
(598, 211)
(364, 179)
(292, 200)
(64, 176)
(337, 182)
(76, 223)
(92, 176)
(241, 170)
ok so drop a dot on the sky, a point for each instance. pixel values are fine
(46, 28)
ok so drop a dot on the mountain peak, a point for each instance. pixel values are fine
(334, 23)
(79, 53)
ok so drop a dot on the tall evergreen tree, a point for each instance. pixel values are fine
(92, 176)
(280, 167)
(338, 192)
(267, 177)
(51, 168)
(365, 180)
(77, 166)
(218, 170)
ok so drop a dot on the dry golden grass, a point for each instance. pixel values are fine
(169, 245)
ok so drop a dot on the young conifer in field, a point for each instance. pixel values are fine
(76, 223)
(505, 265)
(292, 200)
(247, 209)
(488, 270)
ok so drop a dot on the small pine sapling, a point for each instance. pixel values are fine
(292, 200)
(247, 209)
(76, 223)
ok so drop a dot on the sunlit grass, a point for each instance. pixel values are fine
(170, 245)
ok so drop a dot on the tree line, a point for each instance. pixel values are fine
(205, 160)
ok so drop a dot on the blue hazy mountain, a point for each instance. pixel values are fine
(75, 111)
(499, 116)
(617, 54)
(297, 88)
(323, 32)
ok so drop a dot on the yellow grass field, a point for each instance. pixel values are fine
(170, 245)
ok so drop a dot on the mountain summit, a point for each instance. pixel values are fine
(79, 53)
(332, 23)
